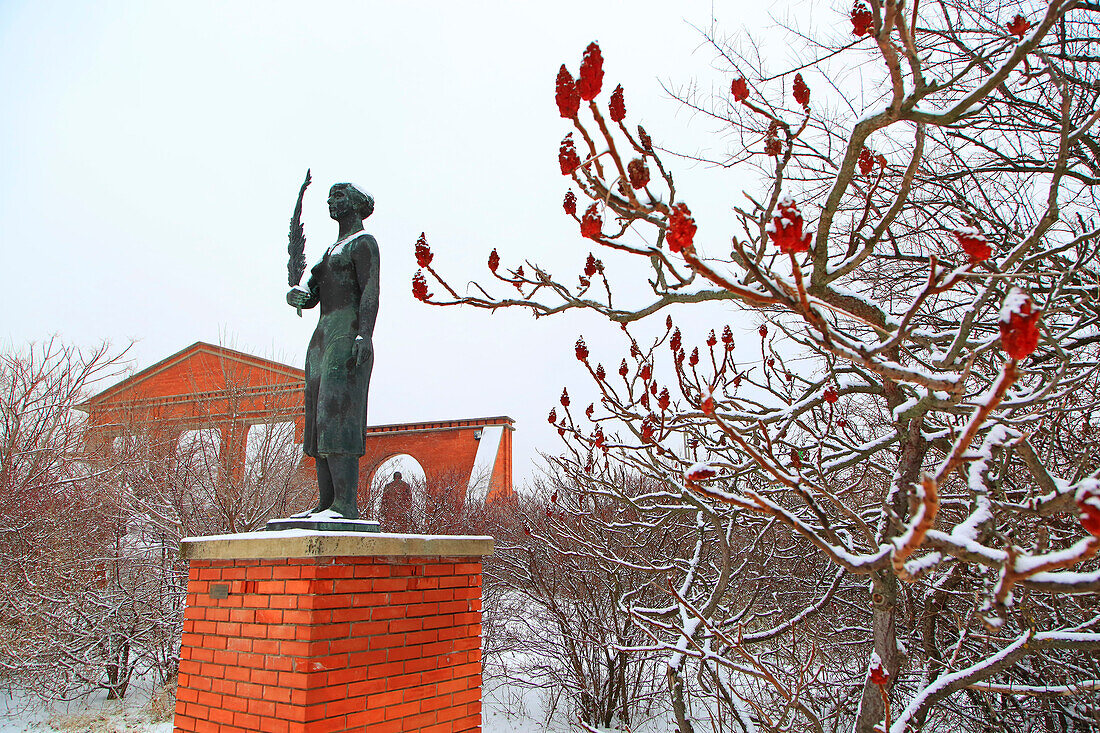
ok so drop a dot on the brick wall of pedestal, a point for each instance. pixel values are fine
(332, 643)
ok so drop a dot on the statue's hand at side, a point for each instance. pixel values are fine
(297, 298)
(361, 349)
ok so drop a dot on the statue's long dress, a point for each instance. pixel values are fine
(336, 387)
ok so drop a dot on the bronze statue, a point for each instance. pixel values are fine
(341, 354)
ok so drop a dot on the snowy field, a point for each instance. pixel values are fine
(506, 710)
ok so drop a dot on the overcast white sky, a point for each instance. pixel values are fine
(151, 153)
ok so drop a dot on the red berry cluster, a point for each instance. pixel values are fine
(569, 203)
(700, 472)
(786, 228)
(423, 253)
(681, 229)
(638, 172)
(591, 265)
(566, 94)
(1019, 26)
(1088, 502)
(801, 91)
(1019, 324)
(772, 146)
(591, 77)
(591, 223)
(862, 19)
(420, 287)
(616, 108)
(567, 156)
(739, 88)
(974, 243)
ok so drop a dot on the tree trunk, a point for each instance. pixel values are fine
(679, 705)
(884, 594)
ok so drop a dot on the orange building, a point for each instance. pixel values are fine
(212, 387)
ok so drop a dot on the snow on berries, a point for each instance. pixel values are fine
(700, 472)
(591, 76)
(566, 95)
(591, 265)
(567, 156)
(569, 203)
(420, 287)
(974, 243)
(866, 161)
(1088, 502)
(879, 674)
(424, 255)
(785, 228)
(1019, 324)
(681, 229)
(582, 350)
(591, 223)
(664, 399)
(862, 19)
(706, 403)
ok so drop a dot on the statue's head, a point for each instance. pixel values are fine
(396, 475)
(347, 198)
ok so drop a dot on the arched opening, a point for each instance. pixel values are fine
(412, 473)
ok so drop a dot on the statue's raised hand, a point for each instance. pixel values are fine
(297, 298)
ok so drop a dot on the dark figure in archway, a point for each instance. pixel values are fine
(341, 354)
(396, 502)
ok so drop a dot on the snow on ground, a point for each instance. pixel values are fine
(507, 709)
(140, 712)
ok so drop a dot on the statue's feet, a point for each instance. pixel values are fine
(345, 511)
(332, 515)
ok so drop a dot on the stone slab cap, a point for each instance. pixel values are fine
(306, 543)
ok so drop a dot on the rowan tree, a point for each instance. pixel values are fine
(895, 504)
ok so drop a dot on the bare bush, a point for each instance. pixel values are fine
(91, 584)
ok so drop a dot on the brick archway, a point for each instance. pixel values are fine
(447, 450)
(213, 387)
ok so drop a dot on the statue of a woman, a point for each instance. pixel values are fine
(340, 355)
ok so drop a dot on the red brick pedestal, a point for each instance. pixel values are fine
(314, 632)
